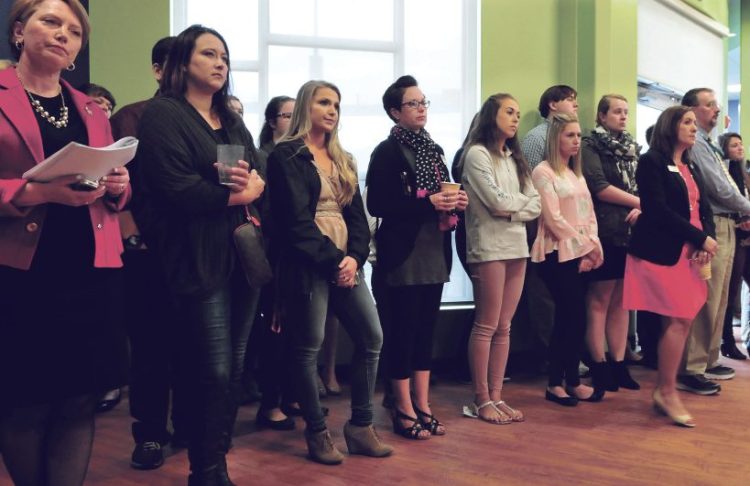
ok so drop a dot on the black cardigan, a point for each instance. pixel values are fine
(303, 250)
(179, 204)
(391, 196)
(664, 225)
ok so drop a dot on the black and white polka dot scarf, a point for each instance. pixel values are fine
(431, 169)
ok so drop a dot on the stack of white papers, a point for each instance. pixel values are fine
(91, 162)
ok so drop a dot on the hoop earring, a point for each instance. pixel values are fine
(19, 45)
(71, 67)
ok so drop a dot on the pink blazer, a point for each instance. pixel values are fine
(20, 149)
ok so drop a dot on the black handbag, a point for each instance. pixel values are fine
(248, 239)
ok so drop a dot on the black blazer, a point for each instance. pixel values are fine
(391, 196)
(664, 225)
(303, 250)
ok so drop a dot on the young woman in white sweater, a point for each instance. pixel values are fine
(497, 177)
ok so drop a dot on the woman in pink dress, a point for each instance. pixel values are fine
(671, 241)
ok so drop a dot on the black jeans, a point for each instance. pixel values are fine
(568, 290)
(305, 321)
(216, 328)
(150, 319)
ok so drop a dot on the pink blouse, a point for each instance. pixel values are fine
(568, 222)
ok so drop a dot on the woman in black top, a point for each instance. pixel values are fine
(734, 154)
(187, 218)
(322, 237)
(610, 157)
(413, 250)
(671, 241)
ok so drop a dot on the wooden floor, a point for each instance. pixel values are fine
(618, 441)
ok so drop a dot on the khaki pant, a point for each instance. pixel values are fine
(704, 341)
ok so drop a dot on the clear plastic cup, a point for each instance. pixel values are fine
(228, 156)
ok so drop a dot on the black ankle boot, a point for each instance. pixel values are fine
(729, 350)
(222, 475)
(622, 376)
(601, 377)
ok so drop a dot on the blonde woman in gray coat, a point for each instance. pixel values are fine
(497, 177)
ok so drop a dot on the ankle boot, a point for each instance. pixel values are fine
(222, 475)
(320, 448)
(207, 477)
(622, 376)
(365, 441)
(601, 377)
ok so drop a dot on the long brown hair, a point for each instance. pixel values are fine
(664, 138)
(300, 125)
(486, 133)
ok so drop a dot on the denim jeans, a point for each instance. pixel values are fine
(212, 358)
(305, 322)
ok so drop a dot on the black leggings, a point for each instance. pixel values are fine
(412, 311)
(568, 290)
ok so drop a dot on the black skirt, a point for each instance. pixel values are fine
(60, 336)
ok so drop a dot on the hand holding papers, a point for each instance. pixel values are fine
(92, 163)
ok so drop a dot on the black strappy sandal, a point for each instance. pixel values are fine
(430, 422)
(412, 432)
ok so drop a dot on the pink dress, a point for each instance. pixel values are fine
(675, 291)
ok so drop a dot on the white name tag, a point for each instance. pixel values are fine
(673, 168)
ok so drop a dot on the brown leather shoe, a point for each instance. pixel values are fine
(365, 441)
(320, 448)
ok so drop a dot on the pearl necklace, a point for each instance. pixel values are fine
(60, 122)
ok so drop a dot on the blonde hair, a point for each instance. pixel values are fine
(300, 126)
(558, 122)
(21, 10)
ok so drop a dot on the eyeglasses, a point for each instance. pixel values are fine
(414, 104)
(286, 115)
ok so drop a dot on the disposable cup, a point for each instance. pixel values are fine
(449, 186)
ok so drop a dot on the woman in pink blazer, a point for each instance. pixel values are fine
(60, 343)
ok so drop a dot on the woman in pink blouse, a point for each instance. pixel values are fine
(566, 246)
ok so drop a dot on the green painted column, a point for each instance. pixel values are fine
(598, 52)
(530, 45)
(745, 71)
(123, 33)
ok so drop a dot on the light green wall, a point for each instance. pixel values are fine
(519, 52)
(588, 44)
(123, 33)
(745, 70)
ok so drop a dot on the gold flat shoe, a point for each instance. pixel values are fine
(684, 420)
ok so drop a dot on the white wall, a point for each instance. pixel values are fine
(678, 48)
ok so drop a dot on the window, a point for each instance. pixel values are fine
(361, 46)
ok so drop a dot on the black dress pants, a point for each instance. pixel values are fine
(568, 290)
(150, 316)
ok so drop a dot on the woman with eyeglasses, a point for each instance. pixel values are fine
(322, 238)
(413, 250)
(267, 342)
(277, 116)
